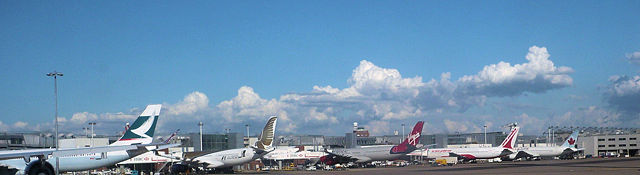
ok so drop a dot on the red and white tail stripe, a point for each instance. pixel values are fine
(410, 143)
(510, 141)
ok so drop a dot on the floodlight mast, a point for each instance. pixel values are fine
(55, 75)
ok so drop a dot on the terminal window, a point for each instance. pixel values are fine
(600, 139)
(633, 145)
(622, 145)
(612, 145)
(622, 138)
(600, 146)
(632, 138)
(612, 139)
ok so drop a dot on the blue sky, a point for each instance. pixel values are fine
(119, 56)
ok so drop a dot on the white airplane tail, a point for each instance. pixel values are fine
(142, 130)
(571, 141)
(510, 141)
(268, 134)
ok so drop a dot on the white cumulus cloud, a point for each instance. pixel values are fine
(191, 103)
(378, 96)
(503, 79)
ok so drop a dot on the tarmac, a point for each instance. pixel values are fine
(580, 166)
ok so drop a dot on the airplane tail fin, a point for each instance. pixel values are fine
(510, 141)
(171, 137)
(410, 143)
(268, 134)
(571, 141)
(142, 130)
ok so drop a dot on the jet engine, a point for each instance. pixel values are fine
(39, 167)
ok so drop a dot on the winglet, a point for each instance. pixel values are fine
(571, 141)
(510, 141)
(410, 143)
(268, 134)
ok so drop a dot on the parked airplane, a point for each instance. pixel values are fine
(373, 153)
(135, 141)
(568, 147)
(506, 148)
(293, 153)
(223, 161)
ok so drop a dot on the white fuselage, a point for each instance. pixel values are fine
(369, 153)
(79, 162)
(293, 153)
(228, 158)
(550, 151)
(468, 153)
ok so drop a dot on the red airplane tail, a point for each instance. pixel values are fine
(510, 141)
(410, 143)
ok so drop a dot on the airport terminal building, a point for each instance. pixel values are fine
(610, 144)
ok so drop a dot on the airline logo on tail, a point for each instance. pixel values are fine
(414, 139)
(510, 141)
(143, 128)
(571, 141)
(267, 135)
(411, 142)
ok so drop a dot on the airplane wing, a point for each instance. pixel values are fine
(346, 157)
(88, 150)
(523, 153)
(62, 152)
(361, 159)
(462, 156)
(73, 151)
(505, 152)
(352, 158)
(214, 164)
(13, 154)
(571, 150)
(163, 146)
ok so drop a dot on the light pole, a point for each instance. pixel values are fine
(248, 141)
(247, 126)
(485, 135)
(553, 137)
(548, 135)
(92, 124)
(200, 125)
(55, 75)
(402, 133)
